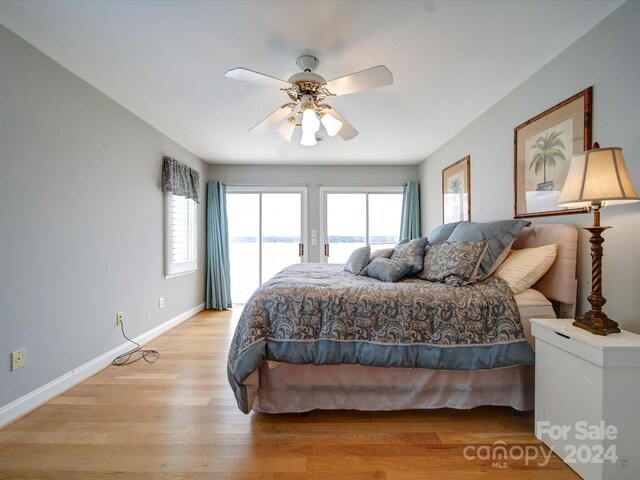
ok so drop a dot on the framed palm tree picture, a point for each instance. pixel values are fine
(542, 150)
(456, 191)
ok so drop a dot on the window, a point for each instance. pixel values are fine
(356, 216)
(181, 235)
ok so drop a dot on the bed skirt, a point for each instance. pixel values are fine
(302, 388)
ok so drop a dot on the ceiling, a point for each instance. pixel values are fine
(165, 62)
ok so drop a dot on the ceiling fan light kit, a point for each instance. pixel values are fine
(286, 128)
(331, 125)
(308, 138)
(307, 91)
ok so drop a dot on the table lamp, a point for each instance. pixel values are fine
(597, 178)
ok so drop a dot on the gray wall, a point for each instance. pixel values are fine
(608, 58)
(81, 221)
(314, 176)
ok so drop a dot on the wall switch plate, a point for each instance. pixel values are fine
(18, 359)
(119, 318)
(314, 242)
(314, 233)
(161, 302)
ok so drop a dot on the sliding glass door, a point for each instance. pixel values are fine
(266, 234)
(282, 243)
(346, 220)
(243, 213)
(357, 216)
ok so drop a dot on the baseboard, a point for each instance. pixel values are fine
(34, 399)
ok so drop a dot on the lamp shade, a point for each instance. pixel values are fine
(331, 124)
(285, 130)
(598, 175)
(308, 138)
(310, 122)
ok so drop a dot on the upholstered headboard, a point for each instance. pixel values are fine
(559, 283)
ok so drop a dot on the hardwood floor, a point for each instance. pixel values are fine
(177, 419)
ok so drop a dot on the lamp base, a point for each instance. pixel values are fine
(597, 323)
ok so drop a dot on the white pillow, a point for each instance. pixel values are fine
(522, 268)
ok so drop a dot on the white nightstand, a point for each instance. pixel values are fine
(588, 398)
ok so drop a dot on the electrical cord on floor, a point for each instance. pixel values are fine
(136, 354)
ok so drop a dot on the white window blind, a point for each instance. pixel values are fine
(181, 235)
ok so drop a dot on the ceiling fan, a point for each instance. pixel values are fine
(307, 92)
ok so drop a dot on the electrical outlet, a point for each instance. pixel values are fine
(119, 318)
(161, 302)
(18, 359)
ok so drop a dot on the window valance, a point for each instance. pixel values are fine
(179, 179)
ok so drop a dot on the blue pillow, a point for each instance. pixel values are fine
(412, 253)
(358, 260)
(386, 269)
(500, 235)
(442, 233)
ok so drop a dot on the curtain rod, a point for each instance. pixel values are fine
(359, 185)
(254, 185)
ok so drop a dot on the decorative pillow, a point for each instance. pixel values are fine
(442, 233)
(358, 260)
(412, 253)
(499, 235)
(452, 263)
(522, 268)
(386, 269)
(382, 253)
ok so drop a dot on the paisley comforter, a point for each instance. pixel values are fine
(320, 314)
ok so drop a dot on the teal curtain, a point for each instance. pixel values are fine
(410, 222)
(218, 284)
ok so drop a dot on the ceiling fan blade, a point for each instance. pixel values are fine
(271, 120)
(247, 75)
(347, 132)
(366, 79)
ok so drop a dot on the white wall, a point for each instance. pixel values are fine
(81, 221)
(314, 176)
(607, 57)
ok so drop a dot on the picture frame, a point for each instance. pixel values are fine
(542, 150)
(456, 191)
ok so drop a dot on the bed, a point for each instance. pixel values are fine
(407, 345)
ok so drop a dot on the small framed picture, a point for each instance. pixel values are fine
(456, 191)
(542, 149)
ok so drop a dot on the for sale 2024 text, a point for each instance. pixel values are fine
(582, 431)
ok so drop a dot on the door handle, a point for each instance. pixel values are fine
(326, 249)
(300, 249)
